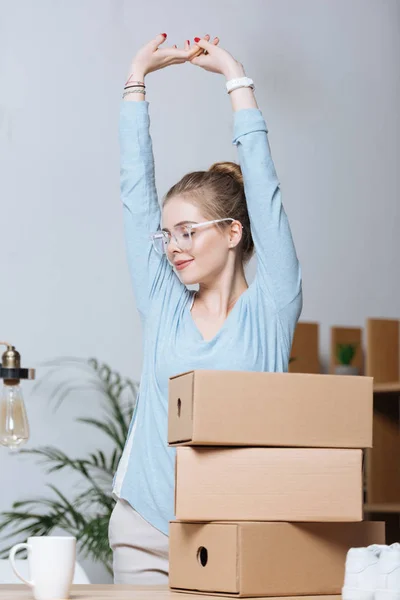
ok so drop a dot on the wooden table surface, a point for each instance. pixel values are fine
(123, 592)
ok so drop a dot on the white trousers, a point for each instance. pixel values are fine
(140, 551)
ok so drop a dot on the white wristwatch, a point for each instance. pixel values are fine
(239, 82)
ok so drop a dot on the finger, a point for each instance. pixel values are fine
(175, 52)
(195, 51)
(207, 38)
(203, 43)
(215, 42)
(158, 40)
(174, 55)
(200, 55)
(203, 50)
(199, 49)
(195, 61)
(187, 45)
(199, 60)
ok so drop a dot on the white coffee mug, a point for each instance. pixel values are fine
(51, 562)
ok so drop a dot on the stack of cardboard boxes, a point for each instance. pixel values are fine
(268, 491)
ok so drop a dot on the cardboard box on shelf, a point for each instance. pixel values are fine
(268, 484)
(240, 408)
(265, 559)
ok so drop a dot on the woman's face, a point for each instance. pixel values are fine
(210, 246)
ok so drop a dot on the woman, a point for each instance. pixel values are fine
(208, 233)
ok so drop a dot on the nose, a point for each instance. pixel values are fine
(173, 246)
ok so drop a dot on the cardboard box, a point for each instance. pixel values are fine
(265, 559)
(268, 484)
(240, 408)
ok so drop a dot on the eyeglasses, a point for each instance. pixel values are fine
(182, 235)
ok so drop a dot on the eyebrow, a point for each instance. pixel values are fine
(180, 223)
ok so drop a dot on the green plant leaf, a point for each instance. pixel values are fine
(108, 427)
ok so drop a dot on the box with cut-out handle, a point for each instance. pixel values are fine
(250, 559)
(241, 408)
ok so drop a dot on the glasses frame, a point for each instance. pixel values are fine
(167, 235)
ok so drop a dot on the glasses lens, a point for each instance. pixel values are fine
(184, 237)
(159, 243)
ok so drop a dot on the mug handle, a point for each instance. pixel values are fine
(11, 557)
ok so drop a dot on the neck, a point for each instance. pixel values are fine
(219, 296)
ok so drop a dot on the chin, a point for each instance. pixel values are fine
(188, 279)
(190, 275)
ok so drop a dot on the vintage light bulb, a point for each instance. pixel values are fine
(14, 426)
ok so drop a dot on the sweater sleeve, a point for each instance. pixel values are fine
(141, 211)
(278, 270)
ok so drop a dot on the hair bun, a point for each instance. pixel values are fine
(228, 168)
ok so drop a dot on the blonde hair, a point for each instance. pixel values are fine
(219, 194)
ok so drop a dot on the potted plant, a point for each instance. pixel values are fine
(345, 354)
(85, 511)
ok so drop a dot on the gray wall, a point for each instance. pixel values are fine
(327, 79)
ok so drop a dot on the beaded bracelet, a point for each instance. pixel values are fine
(137, 91)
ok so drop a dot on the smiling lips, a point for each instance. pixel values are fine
(181, 264)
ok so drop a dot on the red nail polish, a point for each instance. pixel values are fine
(164, 34)
(187, 41)
(196, 39)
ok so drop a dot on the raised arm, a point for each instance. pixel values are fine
(278, 269)
(150, 272)
(141, 211)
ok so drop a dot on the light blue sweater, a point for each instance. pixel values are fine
(257, 334)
